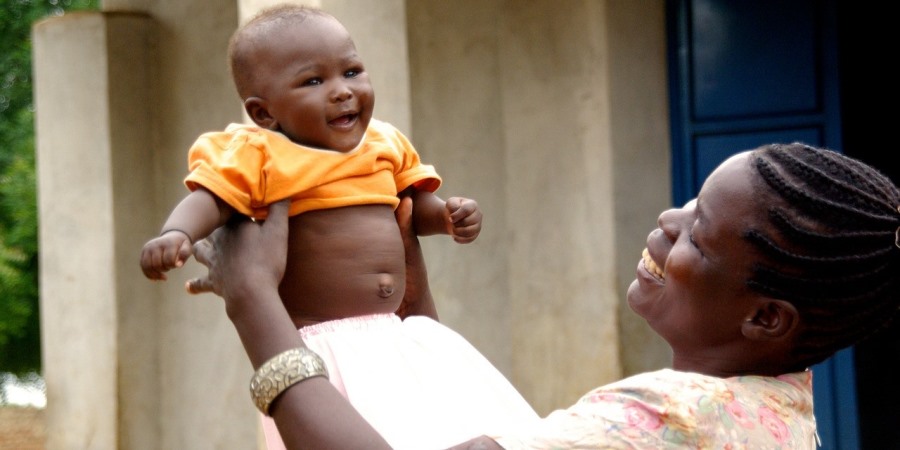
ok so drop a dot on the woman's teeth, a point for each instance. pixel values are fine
(651, 266)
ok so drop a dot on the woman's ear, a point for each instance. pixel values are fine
(258, 111)
(772, 320)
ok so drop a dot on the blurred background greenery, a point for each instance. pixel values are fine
(20, 341)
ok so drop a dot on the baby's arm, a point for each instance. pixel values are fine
(459, 217)
(193, 219)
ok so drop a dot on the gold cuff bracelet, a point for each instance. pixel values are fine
(283, 371)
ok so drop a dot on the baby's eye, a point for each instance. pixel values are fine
(311, 82)
(352, 73)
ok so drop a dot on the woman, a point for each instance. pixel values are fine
(789, 254)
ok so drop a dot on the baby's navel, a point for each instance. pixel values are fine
(385, 285)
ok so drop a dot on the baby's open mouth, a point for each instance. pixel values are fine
(651, 266)
(343, 120)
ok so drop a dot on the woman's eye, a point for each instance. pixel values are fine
(694, 243)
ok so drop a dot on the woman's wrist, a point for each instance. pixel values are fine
(263, 325)
(245, 300)
(283, 371)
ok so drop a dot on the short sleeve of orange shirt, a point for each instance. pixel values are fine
(250, 168)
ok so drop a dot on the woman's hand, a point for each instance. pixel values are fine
(417, 300)
(245, 259)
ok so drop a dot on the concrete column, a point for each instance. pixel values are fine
(559, 199)
(641, 161)
(459, 125)
(203, 372)
(130, 363)
(92, 88)
(547, 113)
(515, 115)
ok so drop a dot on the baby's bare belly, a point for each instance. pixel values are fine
(343, 262)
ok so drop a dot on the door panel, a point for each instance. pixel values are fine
(712, 149)
(732, 58)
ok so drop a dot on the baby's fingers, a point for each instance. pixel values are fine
(151, 263)
(466, 234)
(463, 209)
(155, 275)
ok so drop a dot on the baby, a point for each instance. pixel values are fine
(315, 142)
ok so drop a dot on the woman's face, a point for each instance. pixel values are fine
(699, 305)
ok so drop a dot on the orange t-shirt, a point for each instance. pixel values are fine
(250, 168)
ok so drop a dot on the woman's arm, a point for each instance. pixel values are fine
(417, 299)
(246, 262)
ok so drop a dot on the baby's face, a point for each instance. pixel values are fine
(315, 85)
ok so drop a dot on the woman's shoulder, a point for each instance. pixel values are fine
(670, 406)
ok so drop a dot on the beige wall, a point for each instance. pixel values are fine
(81, 295)
(549, 137)
(547, 113)
(639, 139)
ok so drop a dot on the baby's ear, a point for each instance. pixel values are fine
(258, 111)
(772, 319)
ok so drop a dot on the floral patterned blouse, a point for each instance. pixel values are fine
(668, 409)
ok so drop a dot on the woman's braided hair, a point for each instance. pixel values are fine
(835, 250)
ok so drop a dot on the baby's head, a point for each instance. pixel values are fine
(832, 247)
(298, 72)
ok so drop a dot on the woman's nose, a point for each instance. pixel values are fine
(672, 221)
(667, 223)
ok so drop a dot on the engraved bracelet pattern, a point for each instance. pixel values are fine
(283, 371)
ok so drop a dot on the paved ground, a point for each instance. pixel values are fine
(21, 428)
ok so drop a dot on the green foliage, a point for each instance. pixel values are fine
(19, 317)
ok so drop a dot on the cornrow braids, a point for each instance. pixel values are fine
(832, 248)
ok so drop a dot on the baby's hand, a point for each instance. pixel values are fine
(465, 219)
(170, 250)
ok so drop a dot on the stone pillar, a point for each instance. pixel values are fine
(130, 363)
(93, 126)
(558, 165)
(641, 161)
(547, 113)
